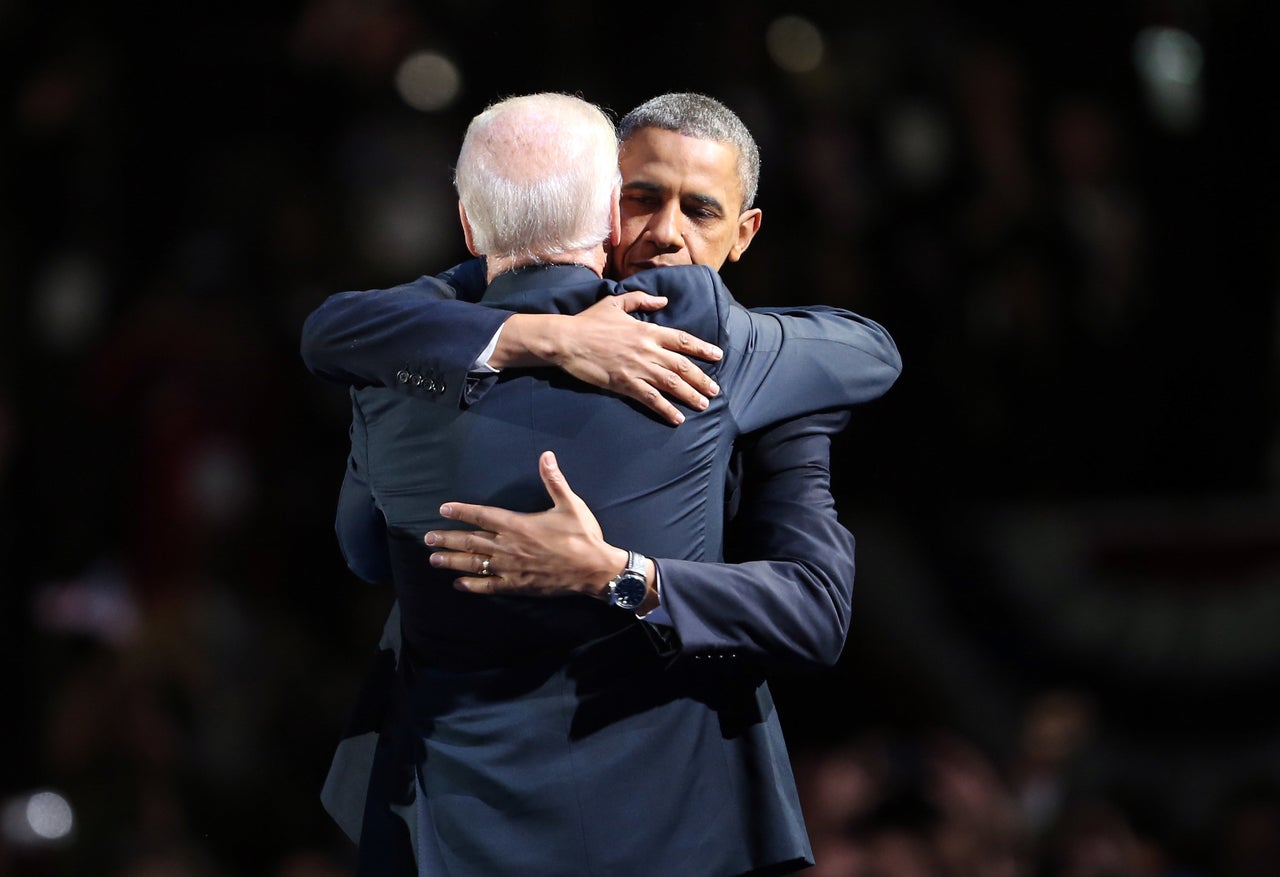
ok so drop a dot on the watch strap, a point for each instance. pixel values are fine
(637, 564)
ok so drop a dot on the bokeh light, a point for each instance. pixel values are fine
(43, 818)
(918, 143)
(428, 81)
(1169, 63)
(69, 301)
(49, 815)
(795, 44)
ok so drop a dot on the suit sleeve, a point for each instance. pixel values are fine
(789, 362)
(361, 529)
(415, 337)
(783, 601)
(779, 363)
(359, 524)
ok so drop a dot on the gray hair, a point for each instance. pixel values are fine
(536, 175)
(697, 115)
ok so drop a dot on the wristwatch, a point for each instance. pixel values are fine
(628, 588)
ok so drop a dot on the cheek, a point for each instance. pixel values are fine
(699, 252)
(630, 231)
(709, 248)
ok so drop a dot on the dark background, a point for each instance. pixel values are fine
(1071, 491)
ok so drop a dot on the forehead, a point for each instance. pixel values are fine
(681, 165)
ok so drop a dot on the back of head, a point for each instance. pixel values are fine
(536, 176)
(697, 115)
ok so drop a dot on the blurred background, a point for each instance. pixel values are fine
(1066, 635)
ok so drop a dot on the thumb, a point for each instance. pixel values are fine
(553, 479)
(640, 301)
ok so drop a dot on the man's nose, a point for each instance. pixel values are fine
(665, 228)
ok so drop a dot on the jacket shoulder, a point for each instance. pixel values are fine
(697, 300)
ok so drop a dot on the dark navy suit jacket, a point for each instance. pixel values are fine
(660, 490)
(793, 551)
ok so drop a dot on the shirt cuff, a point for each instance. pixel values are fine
(658, 615)
(481, 365)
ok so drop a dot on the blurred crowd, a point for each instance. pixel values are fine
(932, 804)
(1084, 291)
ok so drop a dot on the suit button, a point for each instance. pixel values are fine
(402, 376)
(418, 380)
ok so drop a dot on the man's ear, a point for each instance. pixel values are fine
(748, 225)
(466, 230)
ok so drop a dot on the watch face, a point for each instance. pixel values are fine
(628, 592)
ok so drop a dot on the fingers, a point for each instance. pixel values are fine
(630, 302)
(662, 385)
(649, 392)
(479, 585)
(465, 562)
(479, 542)
(676, 340)
(553, 479)
(665, 376)
(483, 516)
(686, 382)
(655, 401)
(680, 341)
(676, 378)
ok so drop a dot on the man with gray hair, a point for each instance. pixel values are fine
(537, 736)
(524, 203)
